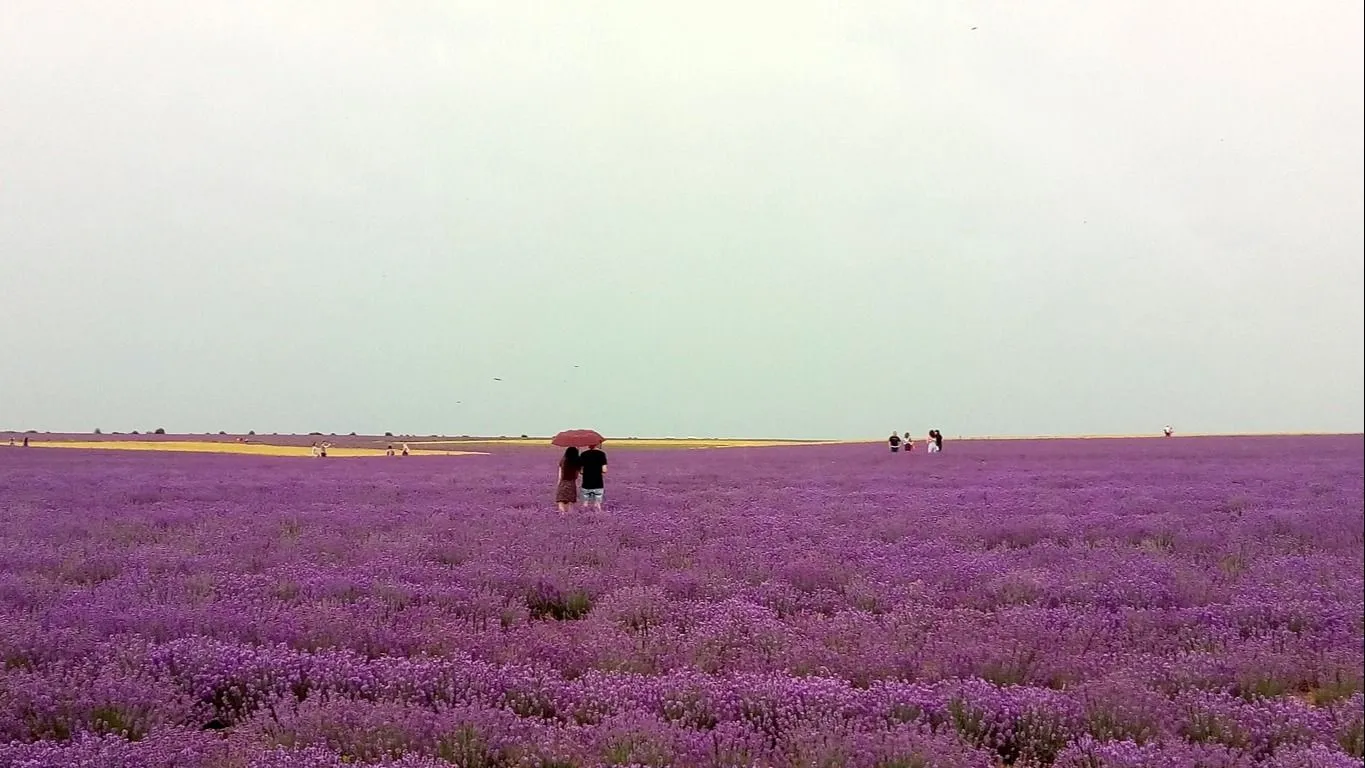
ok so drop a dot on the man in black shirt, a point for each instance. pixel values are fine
(895, 442)
(594, 468)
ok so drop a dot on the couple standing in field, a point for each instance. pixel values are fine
(590, 467)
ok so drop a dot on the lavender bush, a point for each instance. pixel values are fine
(1082, 604)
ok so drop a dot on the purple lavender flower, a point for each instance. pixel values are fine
(1081, 604)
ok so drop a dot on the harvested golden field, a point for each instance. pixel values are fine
(248, 449)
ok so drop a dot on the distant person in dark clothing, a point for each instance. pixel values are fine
(935, 441)
(26, 442)
(566, 488)
(594, 476)
(895, 442)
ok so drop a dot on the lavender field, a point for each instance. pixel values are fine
(1081, 604)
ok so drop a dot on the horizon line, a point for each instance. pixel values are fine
(474, 438)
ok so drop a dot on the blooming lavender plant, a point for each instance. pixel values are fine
(1083, 604)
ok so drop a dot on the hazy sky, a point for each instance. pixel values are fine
(803, 219)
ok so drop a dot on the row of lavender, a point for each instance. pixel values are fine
(1109, 603)
(369, 709)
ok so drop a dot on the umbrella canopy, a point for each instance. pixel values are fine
(577, 438)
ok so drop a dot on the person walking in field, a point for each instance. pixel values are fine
(566, 489)
(895, 442)
(594, 462)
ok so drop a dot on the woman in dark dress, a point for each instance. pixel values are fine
(566, 492)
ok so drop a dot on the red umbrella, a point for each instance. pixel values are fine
(577, 438)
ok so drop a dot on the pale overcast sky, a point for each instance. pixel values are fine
(799, 219)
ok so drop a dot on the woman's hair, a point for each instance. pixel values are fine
(571, 458)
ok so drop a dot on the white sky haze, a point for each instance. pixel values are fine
(761, 219)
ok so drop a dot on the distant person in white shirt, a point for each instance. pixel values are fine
(1167, 431)
(316, 450)
(405, 449)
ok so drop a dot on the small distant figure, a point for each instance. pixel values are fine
(26, 442)
(908, 442)
(322, 449)
(389, 452)
(566, 488)
(935, 441)
(316, 450)
(594, 463)
(1167, 430)
(895, 442)
(405, 449)
(11, 442)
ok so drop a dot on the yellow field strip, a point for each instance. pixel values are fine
(244, 449)
(637, 443)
